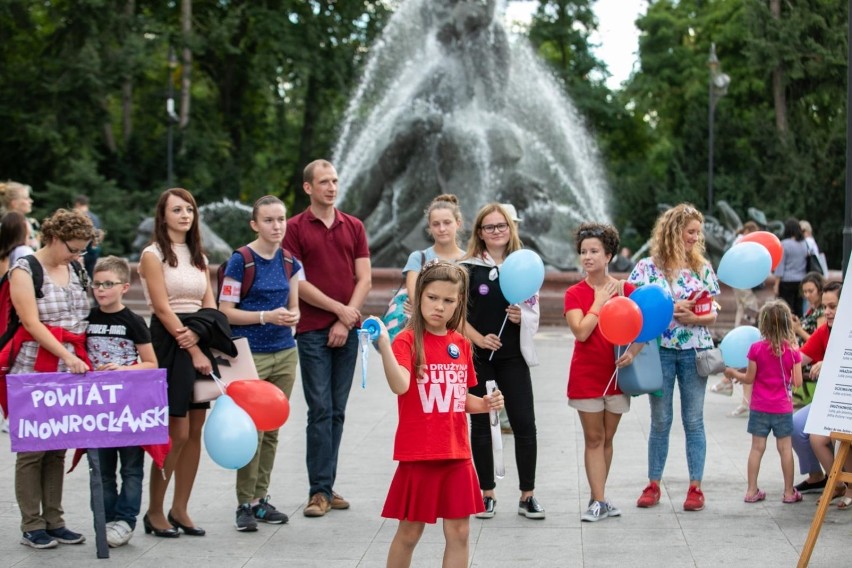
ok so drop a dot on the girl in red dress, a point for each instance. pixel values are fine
(430, 368)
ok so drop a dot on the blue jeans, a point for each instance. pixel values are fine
(122, 505)
(678, 364)
(327, 375)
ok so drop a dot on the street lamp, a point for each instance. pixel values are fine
(718, 87)
(172, 118)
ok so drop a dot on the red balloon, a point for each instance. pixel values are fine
(769, 241)
(620, 320)
(264, 402)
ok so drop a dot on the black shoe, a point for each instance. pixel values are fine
(151, 529)
(488, 513)
(806, 487)
(64, 536)
(245, 519)
(267, 513)
(191, 531)
(38, 539)
(531, 508)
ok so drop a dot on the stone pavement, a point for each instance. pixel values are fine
(727, 532)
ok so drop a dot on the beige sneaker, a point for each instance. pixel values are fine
(338, 502)
(317, 506)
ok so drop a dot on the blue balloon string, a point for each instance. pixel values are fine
(364, 339)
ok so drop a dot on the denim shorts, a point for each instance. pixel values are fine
(761, 423)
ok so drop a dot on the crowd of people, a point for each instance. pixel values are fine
(296, 293)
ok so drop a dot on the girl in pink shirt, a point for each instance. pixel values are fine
(774, 368)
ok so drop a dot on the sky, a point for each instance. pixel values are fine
(617, 35)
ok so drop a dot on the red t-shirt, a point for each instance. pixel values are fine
(817, 343)
(432, 418)
(328, 258)
(593, 362)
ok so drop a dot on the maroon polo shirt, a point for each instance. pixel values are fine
(328, 258)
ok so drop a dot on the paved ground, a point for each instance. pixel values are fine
(727, 532)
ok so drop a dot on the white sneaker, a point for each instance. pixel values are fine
(118, 533)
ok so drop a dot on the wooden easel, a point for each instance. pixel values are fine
(836, 476)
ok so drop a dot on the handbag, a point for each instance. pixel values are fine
(394, 317)
(239, 368)
(645, 374)
(709, 362)
(815, 264)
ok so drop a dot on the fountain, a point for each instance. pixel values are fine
(450, 103)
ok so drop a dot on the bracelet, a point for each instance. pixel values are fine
(261, 318)
(594, 313)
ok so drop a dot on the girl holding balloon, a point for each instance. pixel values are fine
(591, 390)
(264, 314)
(176, 283)
(501, 330)
(435, 477)
(677, 264)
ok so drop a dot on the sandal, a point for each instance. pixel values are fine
(839, 491)
(796, 497)
(723, 387)
(740, 411)
(759, 496)
(845, 503)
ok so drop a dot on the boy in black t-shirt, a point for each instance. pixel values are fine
(118, 339)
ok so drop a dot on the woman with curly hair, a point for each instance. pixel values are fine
(52, 338)
(677, 264)
(591, 388)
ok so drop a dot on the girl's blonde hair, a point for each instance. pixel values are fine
(667, 240)
(476, 246)
(10, 191)
(775, 322)
(436, 271)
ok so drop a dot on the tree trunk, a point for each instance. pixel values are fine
(127, 86)
(186, 62)
(306, 139)
(778, 94)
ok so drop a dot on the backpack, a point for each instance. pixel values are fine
(249, 270)
(9, 320)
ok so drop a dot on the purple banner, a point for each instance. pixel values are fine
(100, 409)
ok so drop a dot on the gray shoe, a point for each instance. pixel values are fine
(611, 510)
(245, 519)
(596, 512)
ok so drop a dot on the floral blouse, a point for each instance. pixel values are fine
(809, 320)
(679, 336)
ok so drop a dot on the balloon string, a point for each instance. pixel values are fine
(614, 373)
(219, 383)
(499, 334)
(364, 337)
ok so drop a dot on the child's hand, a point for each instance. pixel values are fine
(383, 333)
(107, 367)
(494, 400)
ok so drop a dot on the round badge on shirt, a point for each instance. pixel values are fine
(453, 350)
(483, 289)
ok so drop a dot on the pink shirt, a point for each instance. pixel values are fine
(773, 380)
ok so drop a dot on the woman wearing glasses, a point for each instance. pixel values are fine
(503, 352)
(677, 264)
(59, 309)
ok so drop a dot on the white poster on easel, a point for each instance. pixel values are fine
(831, 409)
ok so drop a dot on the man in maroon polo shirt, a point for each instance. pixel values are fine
(332, 247)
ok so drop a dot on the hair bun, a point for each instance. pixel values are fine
(448, 197)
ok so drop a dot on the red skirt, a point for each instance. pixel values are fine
(423, 491)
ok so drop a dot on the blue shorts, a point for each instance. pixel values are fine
(761, 423)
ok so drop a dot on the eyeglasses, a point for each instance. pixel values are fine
(585, 233)
(107, 285)
(498, 228)
(75, 252)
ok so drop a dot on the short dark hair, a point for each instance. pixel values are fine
(835, 287)
(81, 200)
(606, 234)
(308, 173)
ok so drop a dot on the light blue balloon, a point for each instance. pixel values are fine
(230, 435)
(521, 276)
(745, 265)
(736, 344)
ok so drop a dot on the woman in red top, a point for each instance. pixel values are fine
(591, 388)
(430, 368)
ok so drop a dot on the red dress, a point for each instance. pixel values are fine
(435, 476)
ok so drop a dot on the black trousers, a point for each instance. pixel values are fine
(791, 293)
(513, 380)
